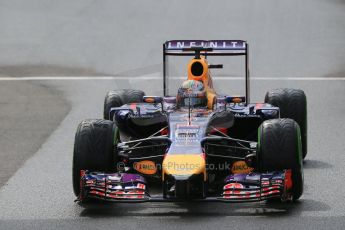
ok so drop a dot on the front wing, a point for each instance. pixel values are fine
(126, 187)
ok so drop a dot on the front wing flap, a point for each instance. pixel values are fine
(113, 186)
(257, 186)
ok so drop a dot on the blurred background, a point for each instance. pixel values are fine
(105, 37)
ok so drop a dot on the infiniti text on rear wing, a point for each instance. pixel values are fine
(217, 47)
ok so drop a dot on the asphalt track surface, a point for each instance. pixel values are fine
(297, 44)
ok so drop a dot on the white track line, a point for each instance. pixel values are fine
(81, 78)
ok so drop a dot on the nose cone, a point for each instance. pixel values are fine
(182, 167)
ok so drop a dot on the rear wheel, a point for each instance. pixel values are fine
(292, 104)
(117, 98)
(93, 149)
(279, 148)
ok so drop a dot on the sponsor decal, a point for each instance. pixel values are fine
(145, 167)
(246, 115)
(240, 167)
(215, 44)
(152, 99)
(187, 133)
(140, 115)
(149, 100)
(237, 100)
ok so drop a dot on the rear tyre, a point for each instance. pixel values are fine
(117, 98)
(279, 148)
(292, 104)
(93, 149)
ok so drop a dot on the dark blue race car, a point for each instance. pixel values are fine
(197, 144)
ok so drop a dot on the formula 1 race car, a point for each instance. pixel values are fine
(197, 144)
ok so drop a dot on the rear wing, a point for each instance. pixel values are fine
(214, 48)
(219, 47)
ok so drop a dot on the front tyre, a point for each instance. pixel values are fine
(93, 149)
(292, 104)
(279, 148)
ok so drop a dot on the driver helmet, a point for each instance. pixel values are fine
(192, 93)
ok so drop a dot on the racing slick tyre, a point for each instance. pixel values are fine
(93, 148)
(292, 104)
(117, 98)
(279, 148)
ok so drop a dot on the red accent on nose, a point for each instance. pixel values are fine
(164, 131)
(288, 179)
(220, 129)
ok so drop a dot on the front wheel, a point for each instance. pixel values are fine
(279, 148)
(93, 149)
(292, 104)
